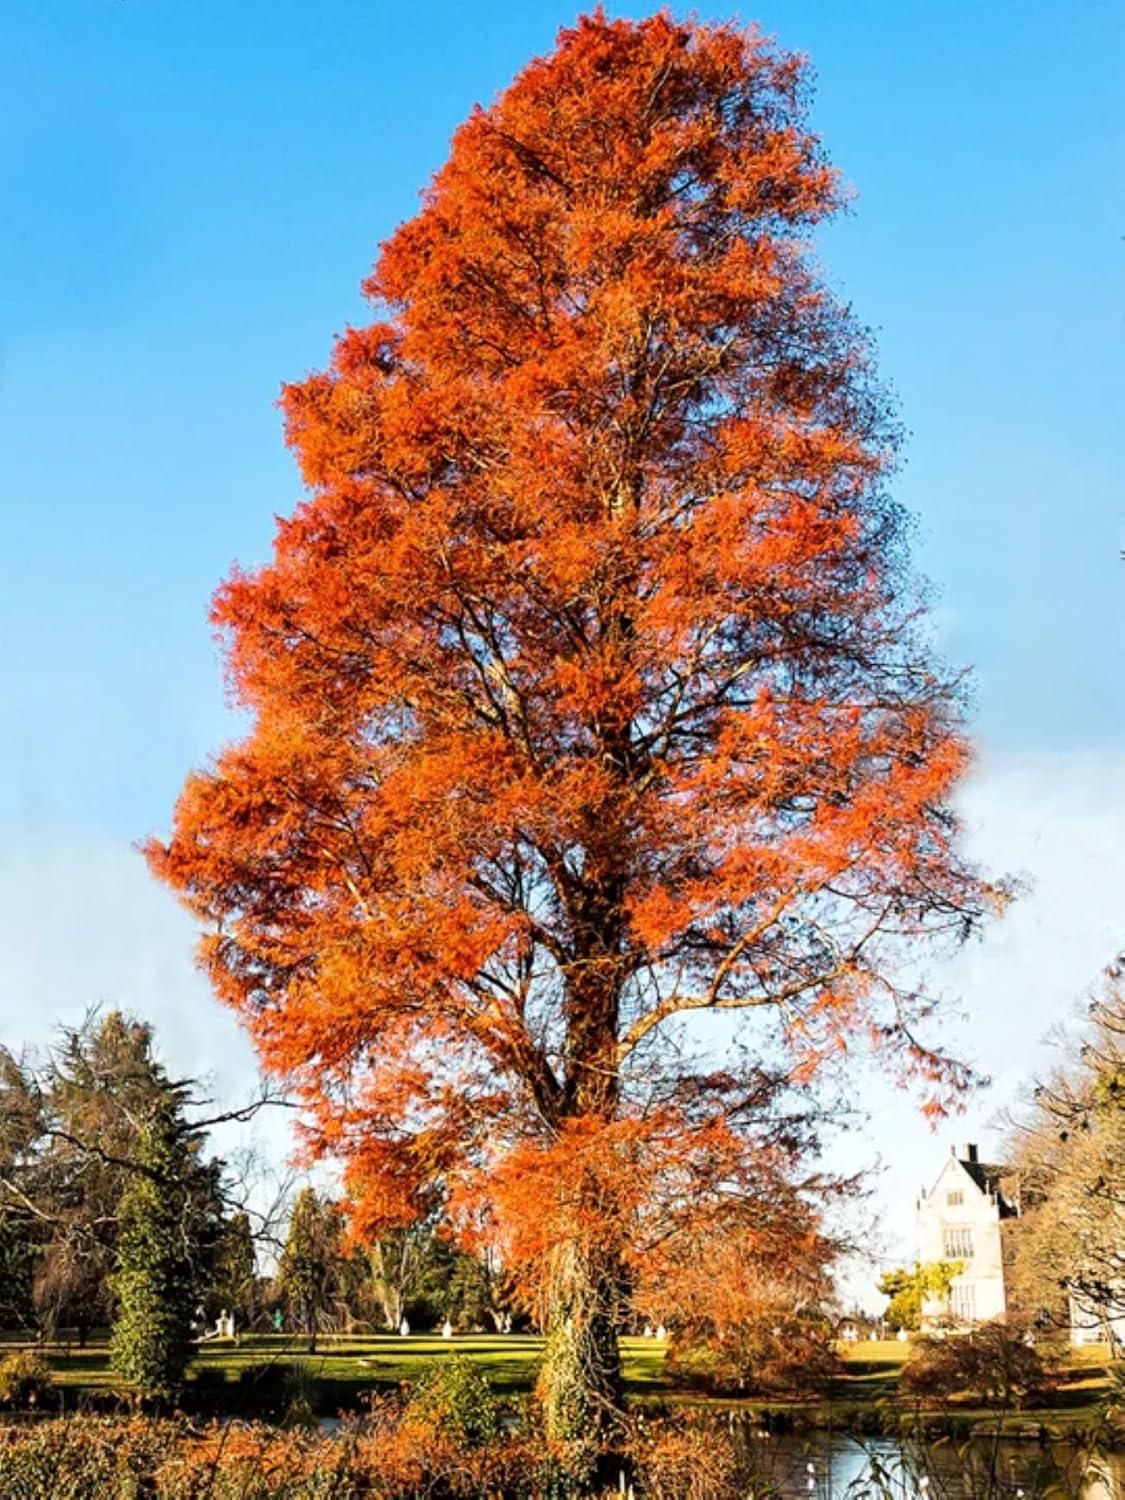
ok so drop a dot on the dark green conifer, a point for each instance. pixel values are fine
(155, 1284)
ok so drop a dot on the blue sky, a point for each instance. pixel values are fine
(190, 192)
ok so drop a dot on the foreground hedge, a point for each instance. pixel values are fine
(426, 1451)
(399, 1456)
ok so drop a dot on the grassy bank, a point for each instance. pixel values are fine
(863, 1395)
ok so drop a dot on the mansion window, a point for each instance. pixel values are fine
(963, 1303)
(957, 1244)
(955, 1200)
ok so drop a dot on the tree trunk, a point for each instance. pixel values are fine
(580, 1383)
(580, 1386)
(389, 1286)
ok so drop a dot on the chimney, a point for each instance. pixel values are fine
(967, 1153)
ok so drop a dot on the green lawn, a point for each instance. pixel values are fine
(510, 1360)
(356, 1361)
(346, 1366)
(871, 1371)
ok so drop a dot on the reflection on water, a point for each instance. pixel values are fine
(870, 1469)
(823, 1467)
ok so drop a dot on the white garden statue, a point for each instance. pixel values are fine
(447, 1329)
(404, 1327)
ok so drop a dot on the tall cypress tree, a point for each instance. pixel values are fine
(155, 1283)
(309, 1271)
(588, 704)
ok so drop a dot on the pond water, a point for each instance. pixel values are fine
(819, 1466)
(841, 1468)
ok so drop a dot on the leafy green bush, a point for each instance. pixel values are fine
(25, 1379)
(908, 1289)
(79, 1459)
(457, 1398)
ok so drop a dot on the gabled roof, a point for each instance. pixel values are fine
(991, 1177)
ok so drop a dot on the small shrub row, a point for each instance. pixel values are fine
(448, 1445)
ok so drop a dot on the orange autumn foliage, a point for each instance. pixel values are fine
(665, 1189)
(587, 687)
(742, 1278)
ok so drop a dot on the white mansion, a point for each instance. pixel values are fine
(961, 1219)
(965, 1217)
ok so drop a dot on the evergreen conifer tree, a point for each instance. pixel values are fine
(155, 1281)
(310, 1263)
